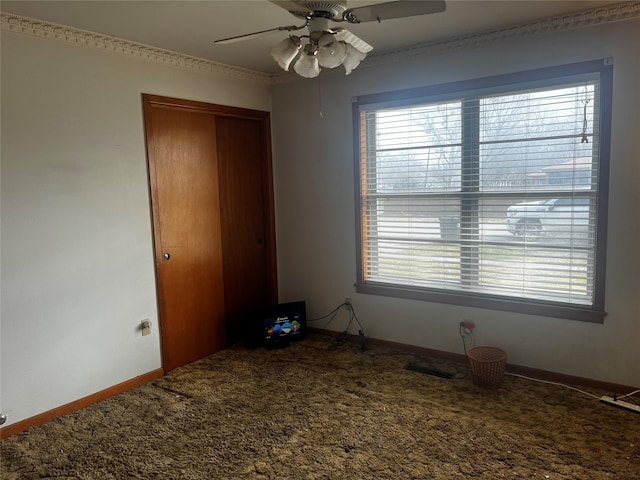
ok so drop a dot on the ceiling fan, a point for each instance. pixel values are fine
(329, 47)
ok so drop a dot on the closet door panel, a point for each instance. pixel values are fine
(241, 158)
(183, 168)
(213, 218)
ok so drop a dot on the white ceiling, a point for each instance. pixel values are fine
(190, 27)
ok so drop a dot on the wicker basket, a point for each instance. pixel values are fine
(487, 366)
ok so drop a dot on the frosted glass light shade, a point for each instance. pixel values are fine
(307, 66)
(352, 59)
(286, 51)
(331, 52)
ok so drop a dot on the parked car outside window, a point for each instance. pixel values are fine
(549, 217)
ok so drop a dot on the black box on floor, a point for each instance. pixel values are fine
(275, 326)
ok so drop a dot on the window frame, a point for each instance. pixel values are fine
(499, 83)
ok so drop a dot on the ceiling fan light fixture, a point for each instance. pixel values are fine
(307, 66)
(352, 59)
(331, 52)
(326, 46)
(286, 51)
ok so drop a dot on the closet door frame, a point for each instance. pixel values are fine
(153, 101)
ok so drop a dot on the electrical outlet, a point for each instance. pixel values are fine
(145, 326)
(466, 327)
(468, 324)
(347, 300)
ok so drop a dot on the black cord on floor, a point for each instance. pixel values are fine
(344, 337)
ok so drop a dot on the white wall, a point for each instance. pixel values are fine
(315, 207)
(77, 257)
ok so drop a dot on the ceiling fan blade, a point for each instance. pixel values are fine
(246, 36)
(389, 10)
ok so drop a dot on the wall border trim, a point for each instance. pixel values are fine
(39, 28)
(79, 404)
(570, 21)
(535, 373)
(585, 18)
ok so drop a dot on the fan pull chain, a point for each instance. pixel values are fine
(320, 98)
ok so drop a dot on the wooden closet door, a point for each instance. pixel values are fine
(244, 211)
(212, 202)
(183, 170)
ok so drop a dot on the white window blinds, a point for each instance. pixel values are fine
(491, 192)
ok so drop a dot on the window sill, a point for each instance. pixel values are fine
(529, 307)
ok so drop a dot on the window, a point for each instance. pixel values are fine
(489, 193)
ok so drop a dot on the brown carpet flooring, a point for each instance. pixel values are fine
(322, 411)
